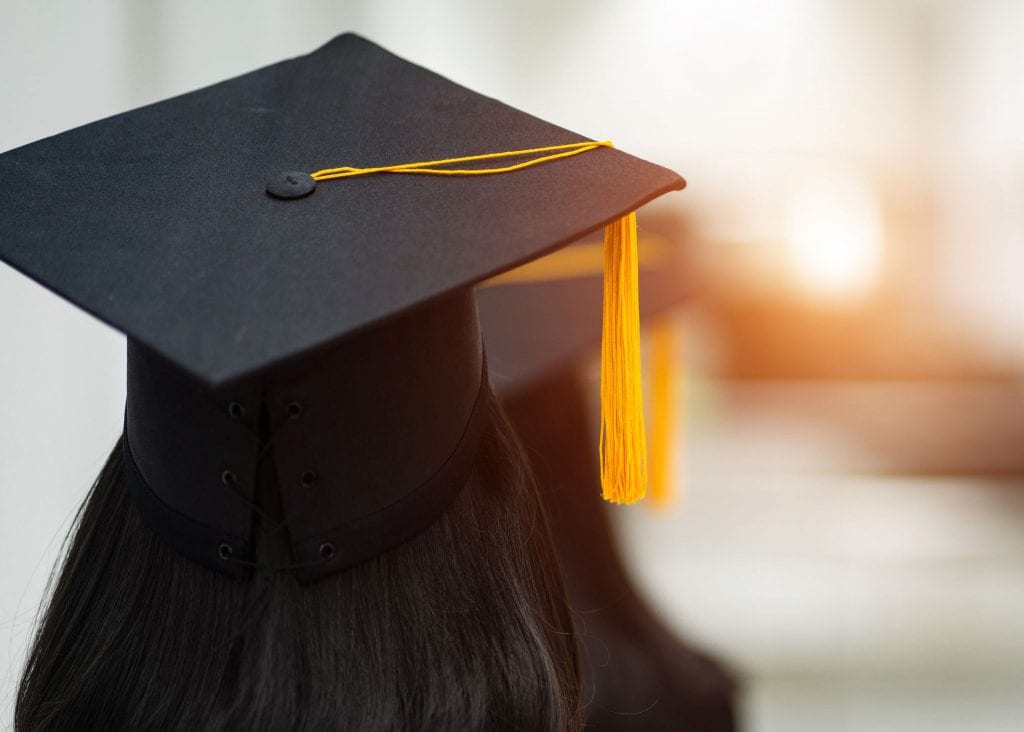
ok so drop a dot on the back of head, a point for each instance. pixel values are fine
(314, 399)
(463, 627)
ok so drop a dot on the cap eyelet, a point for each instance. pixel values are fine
(228, 477)
(327, 551)
(224, 551)
(294, 410)
(308, 477)
(236, 410)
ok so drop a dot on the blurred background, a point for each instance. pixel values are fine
(851, 531)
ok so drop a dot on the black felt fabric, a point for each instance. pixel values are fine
(366, 450)
(186, 535)
(157, 221)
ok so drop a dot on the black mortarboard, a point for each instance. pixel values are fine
(334, 335)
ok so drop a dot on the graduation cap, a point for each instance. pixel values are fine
(300, 338)
(543, 318)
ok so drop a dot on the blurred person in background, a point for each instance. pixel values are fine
(541, 323)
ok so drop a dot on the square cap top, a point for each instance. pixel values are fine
(157, 221)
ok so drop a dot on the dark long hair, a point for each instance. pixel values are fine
(637, 673)
(465, 627)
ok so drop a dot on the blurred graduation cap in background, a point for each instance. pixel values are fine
(292, 256)
(540, 323)
(545, 318)
(546, 315)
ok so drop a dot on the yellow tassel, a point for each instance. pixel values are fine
(623, 445)
(664, 375)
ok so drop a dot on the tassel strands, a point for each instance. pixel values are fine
(623, 445)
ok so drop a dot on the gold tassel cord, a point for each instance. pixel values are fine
(438, 167)
(623, 445)
(665, 376)
(665, 379)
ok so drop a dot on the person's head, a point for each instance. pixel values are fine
(308, 415)
(462, 627)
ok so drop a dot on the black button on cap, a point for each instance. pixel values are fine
(291, 184)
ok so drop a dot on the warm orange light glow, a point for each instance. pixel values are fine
(835, 241)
